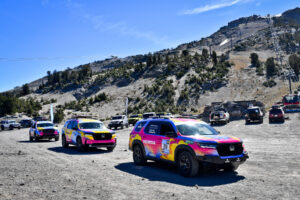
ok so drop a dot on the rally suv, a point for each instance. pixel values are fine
(85, 133)
(43, 130)
(186, 143)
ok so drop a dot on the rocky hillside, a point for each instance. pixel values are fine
(183, 79)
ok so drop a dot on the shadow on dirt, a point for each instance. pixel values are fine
(40, 141)
(156, 171)
(74, 151)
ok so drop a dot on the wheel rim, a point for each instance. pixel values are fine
(184, 163)
(137, 154)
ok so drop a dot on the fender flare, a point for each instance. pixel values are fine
(183, 147)
(138, 142)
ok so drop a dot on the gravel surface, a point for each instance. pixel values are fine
(44, 170)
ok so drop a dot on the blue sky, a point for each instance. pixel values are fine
(41, 35)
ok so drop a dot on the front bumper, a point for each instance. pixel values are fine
(218, 120)
(238, 159)
(101, 143)
(48, 136)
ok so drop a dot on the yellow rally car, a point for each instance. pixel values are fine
(134, 118)
(86, 133)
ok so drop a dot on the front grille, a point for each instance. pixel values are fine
(102, 136)
(48, 131)
(230, 149)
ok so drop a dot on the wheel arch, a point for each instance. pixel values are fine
(181, 148)
(138, 142)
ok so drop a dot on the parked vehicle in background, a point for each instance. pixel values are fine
(39, 118)
(10, 124)
(219, 116)
(134, 118)
(26, 123)
(186, 143)
(118, 121)
(276, 114)
(291, 101)
(254, 114)
(164, 114)
(149, 115)
(43, 130)
(85, 133)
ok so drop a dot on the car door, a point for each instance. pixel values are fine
(166, 134)
(68, 131)
(150, 141)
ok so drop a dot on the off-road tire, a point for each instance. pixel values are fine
(127, 125)
(2, 128)
(110, 148)
(11, 128)
(122, 126)
(36, 138)
(187, 165)
(30, 138)
(80, 147)
(64, 142)
(56, 139)
(138, 155)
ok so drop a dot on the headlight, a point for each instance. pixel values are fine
(208, 145)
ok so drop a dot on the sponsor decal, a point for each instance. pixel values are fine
(165, 146)
(148, 142)
(189, 142)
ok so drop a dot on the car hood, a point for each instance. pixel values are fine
(97, 131)
(50, 127)
(214, 138)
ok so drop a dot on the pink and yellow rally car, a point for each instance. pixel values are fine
(43, 130)
(186, 143)
(86, 133)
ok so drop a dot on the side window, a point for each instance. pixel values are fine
(75, 124)
(70, 125)
(153, 128)
(167, 129)
(139, 126)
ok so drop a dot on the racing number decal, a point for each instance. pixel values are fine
(165, 146)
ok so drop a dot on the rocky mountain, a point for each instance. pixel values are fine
(183, 79)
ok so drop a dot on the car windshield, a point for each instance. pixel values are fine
(253, 110)
(45, 125)
(11, 122)
(91, 125)
(276, 111)
(134, 116)
(117, 117)
(196, 129)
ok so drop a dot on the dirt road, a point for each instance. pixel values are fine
(44, 170)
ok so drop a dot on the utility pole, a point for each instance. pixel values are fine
(279, 54)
